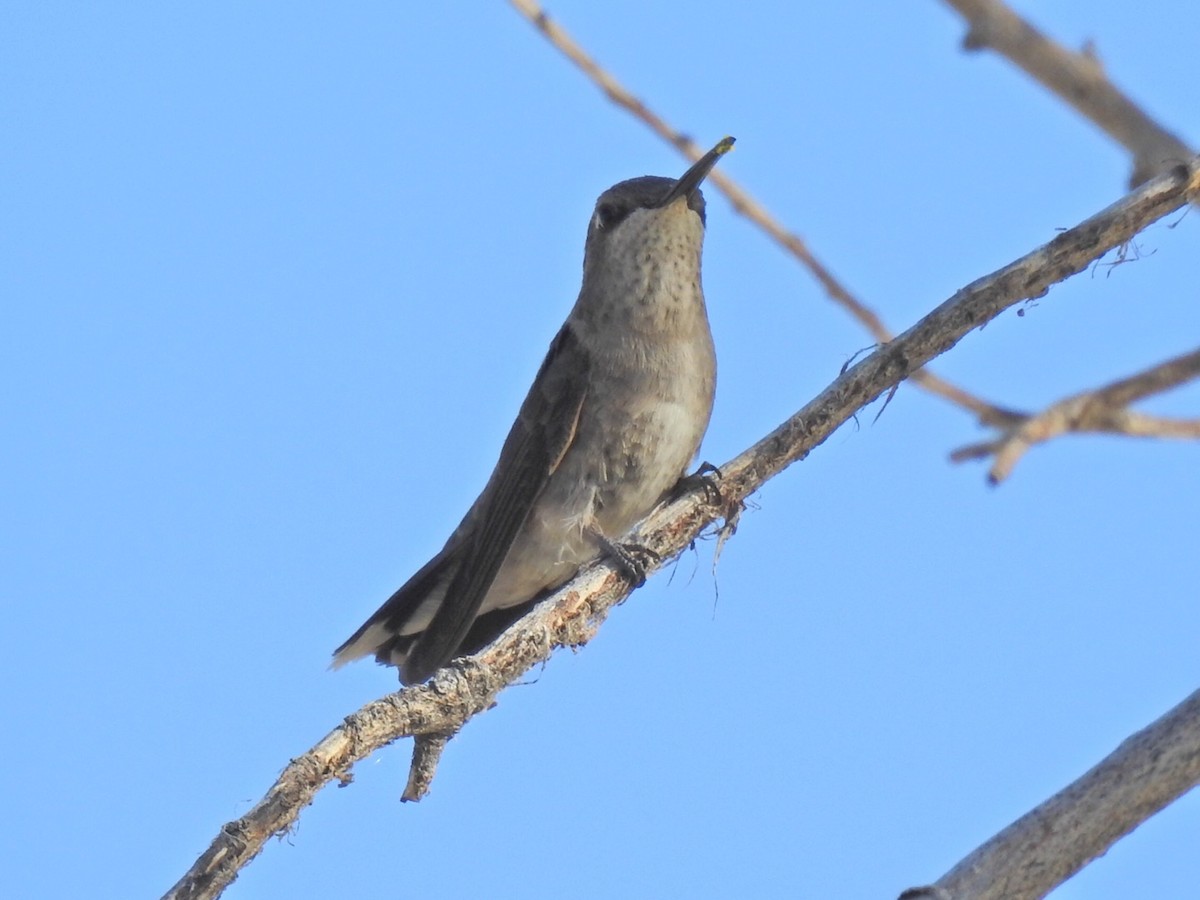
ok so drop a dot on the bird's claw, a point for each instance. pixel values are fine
(699, 480)
(632, 559)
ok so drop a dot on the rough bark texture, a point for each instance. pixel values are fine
(1048, 845)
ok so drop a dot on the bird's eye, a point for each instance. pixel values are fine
(607, 215)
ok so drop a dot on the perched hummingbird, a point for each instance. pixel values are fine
(614, 417)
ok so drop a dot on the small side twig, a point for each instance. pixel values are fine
(1101, 411)
(427, 752)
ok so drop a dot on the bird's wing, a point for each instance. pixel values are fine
(537, 443)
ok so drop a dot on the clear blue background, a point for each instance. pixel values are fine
(275, 278)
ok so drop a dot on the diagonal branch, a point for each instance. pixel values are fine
(744, 203)
(571, 616)
(1102, 411)
(1077, 78)
(1049, 844)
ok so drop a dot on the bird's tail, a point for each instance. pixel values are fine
(390, 633)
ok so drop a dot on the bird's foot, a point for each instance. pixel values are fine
(700, 480)
(631, 559)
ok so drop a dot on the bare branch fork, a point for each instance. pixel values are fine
(571, 616)
(1102, 411)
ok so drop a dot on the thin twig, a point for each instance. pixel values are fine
(1101, 411)
(469, 686)
(1078, 79)
(744, 203)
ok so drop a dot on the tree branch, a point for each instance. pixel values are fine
(745, 204)
(1048, 845)
(427, 752)
(571, 616)
(1101, 411)
(1079, 79)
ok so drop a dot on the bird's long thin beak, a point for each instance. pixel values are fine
(690, 180)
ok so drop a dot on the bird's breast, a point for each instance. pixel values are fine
(645, 415)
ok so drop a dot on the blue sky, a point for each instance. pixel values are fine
(275, 279)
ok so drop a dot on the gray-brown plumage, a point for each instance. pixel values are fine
(615, 415)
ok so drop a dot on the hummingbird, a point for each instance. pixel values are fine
(615, 415)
